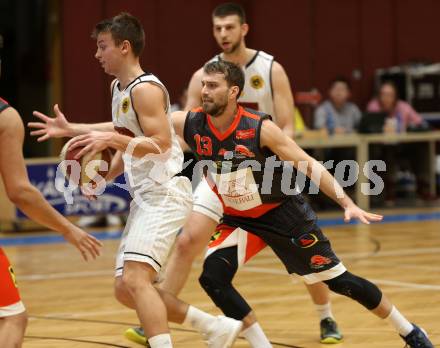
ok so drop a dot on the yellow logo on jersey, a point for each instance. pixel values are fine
(257, 82)
(11, 272)
(216, 235)
(125, 105)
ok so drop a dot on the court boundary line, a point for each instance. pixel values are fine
(324, 222)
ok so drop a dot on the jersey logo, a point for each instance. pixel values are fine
(244, 151)
(216, 235)
(306, 240)
(256, 82)
(11, 272)
(319, 261)
(245, 134)
(125, 105)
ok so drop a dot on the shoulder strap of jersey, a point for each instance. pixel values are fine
(113, 85)
(3, 104)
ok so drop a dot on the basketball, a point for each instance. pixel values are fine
(84, 170)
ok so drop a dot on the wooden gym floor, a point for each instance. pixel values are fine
(71, 302)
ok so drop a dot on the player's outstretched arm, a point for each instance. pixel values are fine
(288, 150)
(25, 196)
(59, 127)
(283, 100)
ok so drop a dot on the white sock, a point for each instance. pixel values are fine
(324, 311)
(198, 319)
(400, 323)
(160, 341)
(256, 337)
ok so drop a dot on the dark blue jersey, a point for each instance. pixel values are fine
(246, 177)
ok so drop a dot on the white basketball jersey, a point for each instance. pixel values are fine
(144, 174)
(257, 91)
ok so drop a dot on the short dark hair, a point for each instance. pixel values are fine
(228, 9)
(234, 75)
(341, 79)
(124, 26)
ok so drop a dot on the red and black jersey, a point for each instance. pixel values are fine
(241, 173)
(3, 104)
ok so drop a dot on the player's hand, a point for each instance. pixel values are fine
(354, 212)
(56, 127)
(90, 190)
(87, 245)
(92, 142)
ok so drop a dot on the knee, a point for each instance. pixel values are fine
(183, 241)
(187, 243)
(217, 275)
(359, 289)
(133, 282)
(121, 292)
(210, 284)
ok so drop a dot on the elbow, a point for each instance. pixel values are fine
(18, 195)
(165, 145)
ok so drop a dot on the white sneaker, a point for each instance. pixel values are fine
(224, 332)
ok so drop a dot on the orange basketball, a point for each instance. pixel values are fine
(85, 169)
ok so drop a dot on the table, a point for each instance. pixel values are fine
(361, 143)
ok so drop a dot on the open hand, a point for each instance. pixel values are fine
(354, 212)
(88, 245)
(50, 127)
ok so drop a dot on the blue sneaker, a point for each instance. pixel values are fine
(417, 338)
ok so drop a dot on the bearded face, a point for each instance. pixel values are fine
(215, 94)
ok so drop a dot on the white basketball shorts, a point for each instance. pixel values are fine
(153, 224)
(206, 201)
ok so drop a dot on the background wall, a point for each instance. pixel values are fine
(315, 40)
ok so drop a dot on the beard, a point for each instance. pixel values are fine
(234, 47)
(214, 109)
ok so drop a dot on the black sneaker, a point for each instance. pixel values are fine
(329, 331)
(417, 338)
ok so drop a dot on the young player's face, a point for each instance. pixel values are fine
(228, 32)
(215, 93)
(108, 54)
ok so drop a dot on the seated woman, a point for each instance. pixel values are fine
(388, 101)
(398, 157)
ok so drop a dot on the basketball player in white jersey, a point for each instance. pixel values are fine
(13, 316)
(143, 136)
(267, 89)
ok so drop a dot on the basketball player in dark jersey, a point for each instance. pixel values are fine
(13, 316)
(240, 147)
(267, 88)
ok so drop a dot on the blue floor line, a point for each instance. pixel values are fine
(107, 235)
